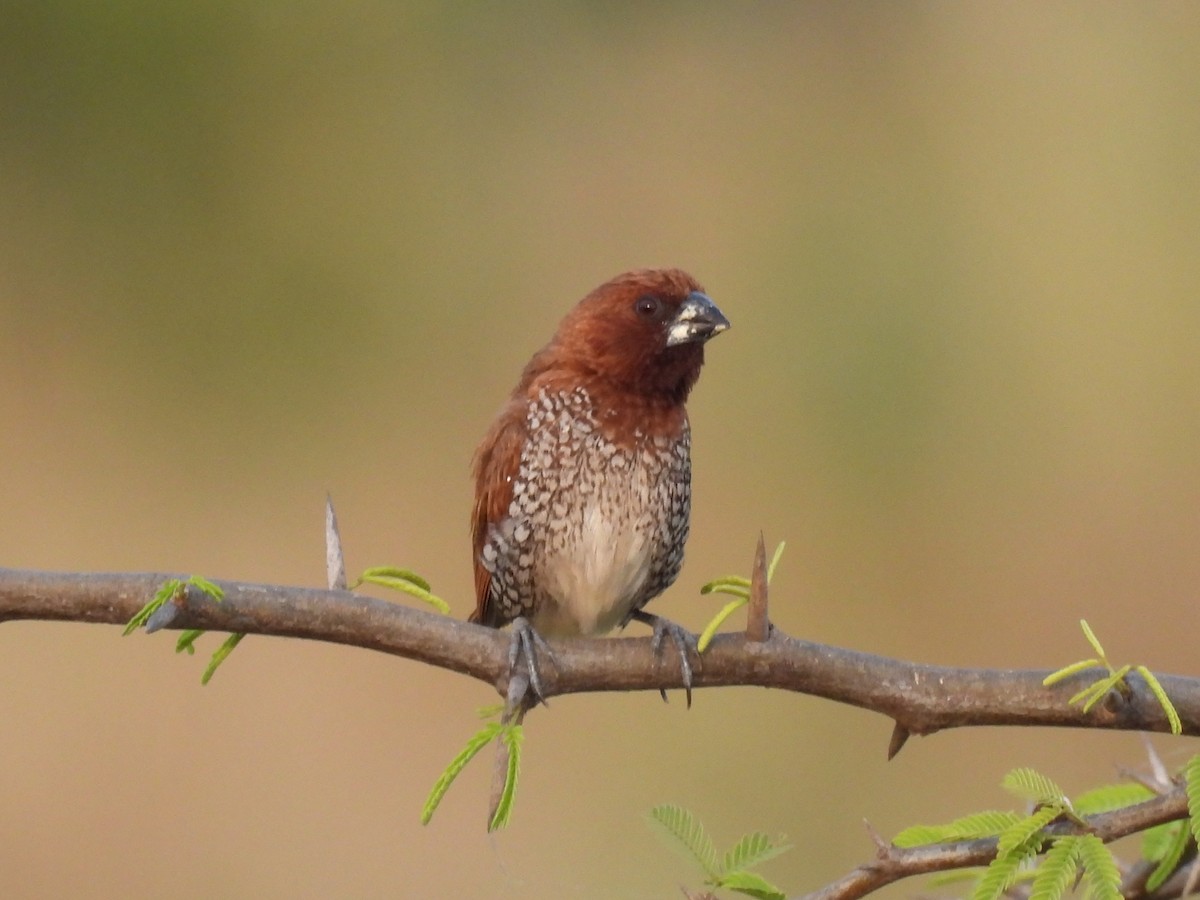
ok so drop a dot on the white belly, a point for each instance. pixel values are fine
(593, 581)
(594, 528)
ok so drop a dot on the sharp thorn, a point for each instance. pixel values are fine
(900, 736)
(757, 624)
(335, 559)
(162, 617)
(876, 837)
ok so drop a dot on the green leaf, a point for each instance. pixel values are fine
(1163, 700)
(393, 573)
(167, 592)
(1192, 772)
(1035, 787)
(750, 884)
(412, 589)
(1110, 797)
(221, 654)
(1003, 873)
(1056, 872)
(728, 583)
(1100, 869)
(775, 560)
(1157, 841)
(688, 833)
(983, 824)
(956, 876)
(731, 586)
(406, 581)
(1025, 831)
(752, 850)
(172, 589)
(187, 640)
(988, 823)
(1093, 640)
(718, 620)
(919, 835)
(203, 584)
(1174, 842)
(511, 736)
(736, 586)
(1067, 671)
(481, 739)
(1091, 695)
(1094, 692)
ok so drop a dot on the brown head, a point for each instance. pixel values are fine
(642, 332)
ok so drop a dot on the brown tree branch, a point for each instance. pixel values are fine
(922, 699)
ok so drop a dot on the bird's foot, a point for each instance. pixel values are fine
(523, 674)
(684, 641)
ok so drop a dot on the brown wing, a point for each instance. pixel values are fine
(496, 464)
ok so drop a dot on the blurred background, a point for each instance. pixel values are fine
(251, 253)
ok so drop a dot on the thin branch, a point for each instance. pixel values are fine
(893, 863)
(922, 699)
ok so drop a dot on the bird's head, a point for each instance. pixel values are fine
(643, 331)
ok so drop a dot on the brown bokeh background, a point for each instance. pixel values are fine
(250, 253)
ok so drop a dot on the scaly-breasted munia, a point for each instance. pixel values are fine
(583, 482)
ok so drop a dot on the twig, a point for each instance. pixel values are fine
(892, 863)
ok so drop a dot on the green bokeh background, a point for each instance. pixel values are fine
(250, 253)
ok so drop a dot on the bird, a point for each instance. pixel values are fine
(583, 481)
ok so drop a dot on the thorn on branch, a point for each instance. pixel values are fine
(167, 613)
(1162, 778)
(1189, 886)
(757, 624)
(335, 559)
(900, 736)
(884, 846)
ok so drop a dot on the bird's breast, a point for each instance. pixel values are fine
(597, 520)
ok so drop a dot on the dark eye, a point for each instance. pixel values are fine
(648, 307)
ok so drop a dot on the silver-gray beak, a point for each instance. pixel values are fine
(698, 319)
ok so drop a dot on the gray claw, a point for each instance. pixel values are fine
(685, 644)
